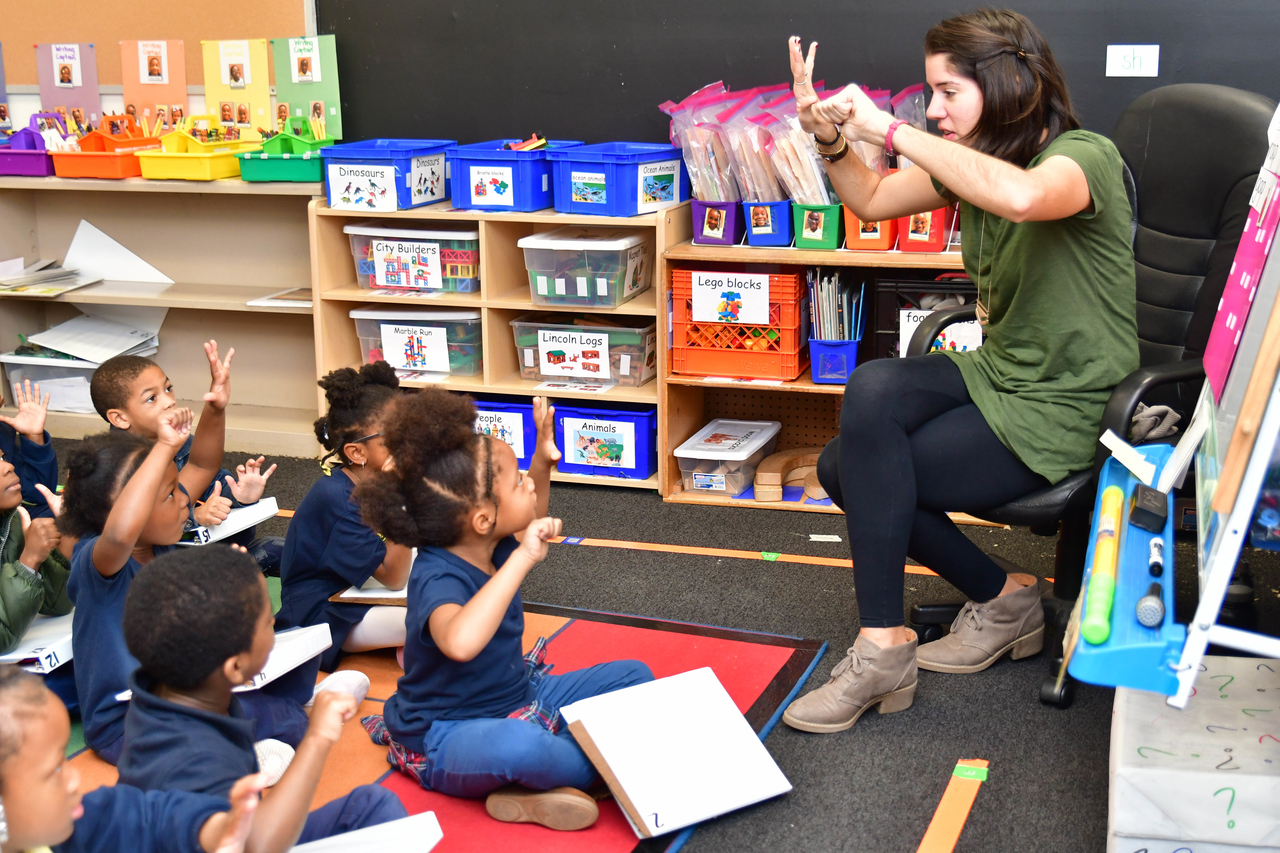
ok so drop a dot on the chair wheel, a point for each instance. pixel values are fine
(1060, 697)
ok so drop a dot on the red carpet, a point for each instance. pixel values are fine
(757, 670)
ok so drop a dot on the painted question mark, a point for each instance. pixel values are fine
(1273, 737)
(1259, 667)
(1223, 766)
(1223, 686)
(1231, 824)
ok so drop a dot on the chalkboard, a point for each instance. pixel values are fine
(595, 70)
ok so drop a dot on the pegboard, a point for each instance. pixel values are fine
(808, 420)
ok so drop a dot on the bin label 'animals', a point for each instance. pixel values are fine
(565, 353)
(606, 444)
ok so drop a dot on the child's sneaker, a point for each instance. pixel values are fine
(559, 808)
(349, 681)
(400, 656)
(274, 757)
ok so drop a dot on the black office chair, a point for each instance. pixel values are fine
(1193, 152)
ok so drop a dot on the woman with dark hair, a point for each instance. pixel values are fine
(1046, 239)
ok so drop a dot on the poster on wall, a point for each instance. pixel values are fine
(235, 73)
(154, 74)
(69, 80)
(6, 120)
(307, 80)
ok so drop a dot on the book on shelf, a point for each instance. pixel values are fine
(293, 297)
(835, 306)
(95, 339)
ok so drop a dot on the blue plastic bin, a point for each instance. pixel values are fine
(511, 422)
(358, 175)
(484, 176)
(771, 226)
(831, 362)
(601, 435)
(619, 178)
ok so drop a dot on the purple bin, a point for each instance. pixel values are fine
(718, 223)
(25, 154)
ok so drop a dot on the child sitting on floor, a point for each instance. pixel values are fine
(33, 571)
(125, 504)
(468, 718)
(131, 393)
(199, 621)
(41, 805)
(329, 548)
(25, 443)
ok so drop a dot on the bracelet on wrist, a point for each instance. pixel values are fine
(838, 154)
(888, 137)
(821, 141)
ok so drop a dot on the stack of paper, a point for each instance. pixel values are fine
(45, 647)
(240, 518)
(416, 834)
(675, 751)
(43, 278)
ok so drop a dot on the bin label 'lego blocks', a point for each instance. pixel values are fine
(565, 353)
(738, 298)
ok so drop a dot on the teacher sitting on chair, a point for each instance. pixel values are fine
(1046, 239)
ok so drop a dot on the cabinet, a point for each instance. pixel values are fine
(809, 412)
(223, 243)
(503, 295)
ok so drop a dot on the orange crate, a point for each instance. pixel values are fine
(106, 155)
(739, 364)
(786, 331)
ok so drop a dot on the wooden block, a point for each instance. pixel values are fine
(812, 488)
(768, 493)
(774, 469)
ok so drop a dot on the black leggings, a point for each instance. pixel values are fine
(912, 447)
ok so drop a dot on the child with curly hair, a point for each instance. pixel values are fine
(329, 547)
(469, 719)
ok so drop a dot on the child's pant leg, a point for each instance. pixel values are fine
(367, 805)
(274, 717)
(471, 758)
(557, 690)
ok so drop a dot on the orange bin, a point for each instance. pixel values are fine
(773, 351)
(869, 236)
(106, 154)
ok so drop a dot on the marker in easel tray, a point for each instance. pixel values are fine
(1155, 562)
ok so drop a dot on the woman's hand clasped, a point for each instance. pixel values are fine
(850, 109)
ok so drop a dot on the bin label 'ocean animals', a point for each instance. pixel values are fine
(658, 185)
(492, 185)
(421, 348)
(606, 444)
(740, 298)
(589, 187)
(565, 353)
(362, 187)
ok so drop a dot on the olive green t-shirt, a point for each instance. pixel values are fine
(1062, 328)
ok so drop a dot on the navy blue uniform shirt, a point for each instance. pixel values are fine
(328, 548)
(103, 662)
(168, 746)
(122, 818)
(35, 463)
(492, 684)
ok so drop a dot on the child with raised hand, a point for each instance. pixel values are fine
(199, 622)
(468, 718)
(329, 547)
(33, 571)
(26, 444)
(132, 393)
(41, 805)
(125, 503)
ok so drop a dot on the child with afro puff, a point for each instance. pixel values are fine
(469, 717)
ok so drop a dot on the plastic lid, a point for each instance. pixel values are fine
(373, 312)
(578, 238)
(369, 230)
(373, 148)
(726, 439)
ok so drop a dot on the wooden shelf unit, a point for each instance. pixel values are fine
(223, 243)
(809, 412)
(503, 296)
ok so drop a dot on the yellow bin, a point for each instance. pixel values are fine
(185, 158)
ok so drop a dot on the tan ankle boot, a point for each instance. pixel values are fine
(560, 808)
(1012, 623)
(869, 675)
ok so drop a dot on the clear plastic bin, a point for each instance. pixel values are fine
(723, 455)
(421, 341)
(563, 348)
(577, 265)
(66, 381)
(411, 259)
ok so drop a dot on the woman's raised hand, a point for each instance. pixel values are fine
(806, 96)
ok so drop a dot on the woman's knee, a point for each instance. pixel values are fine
(829, 471)
(868, 390)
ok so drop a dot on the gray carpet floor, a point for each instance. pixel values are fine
(875, 787)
